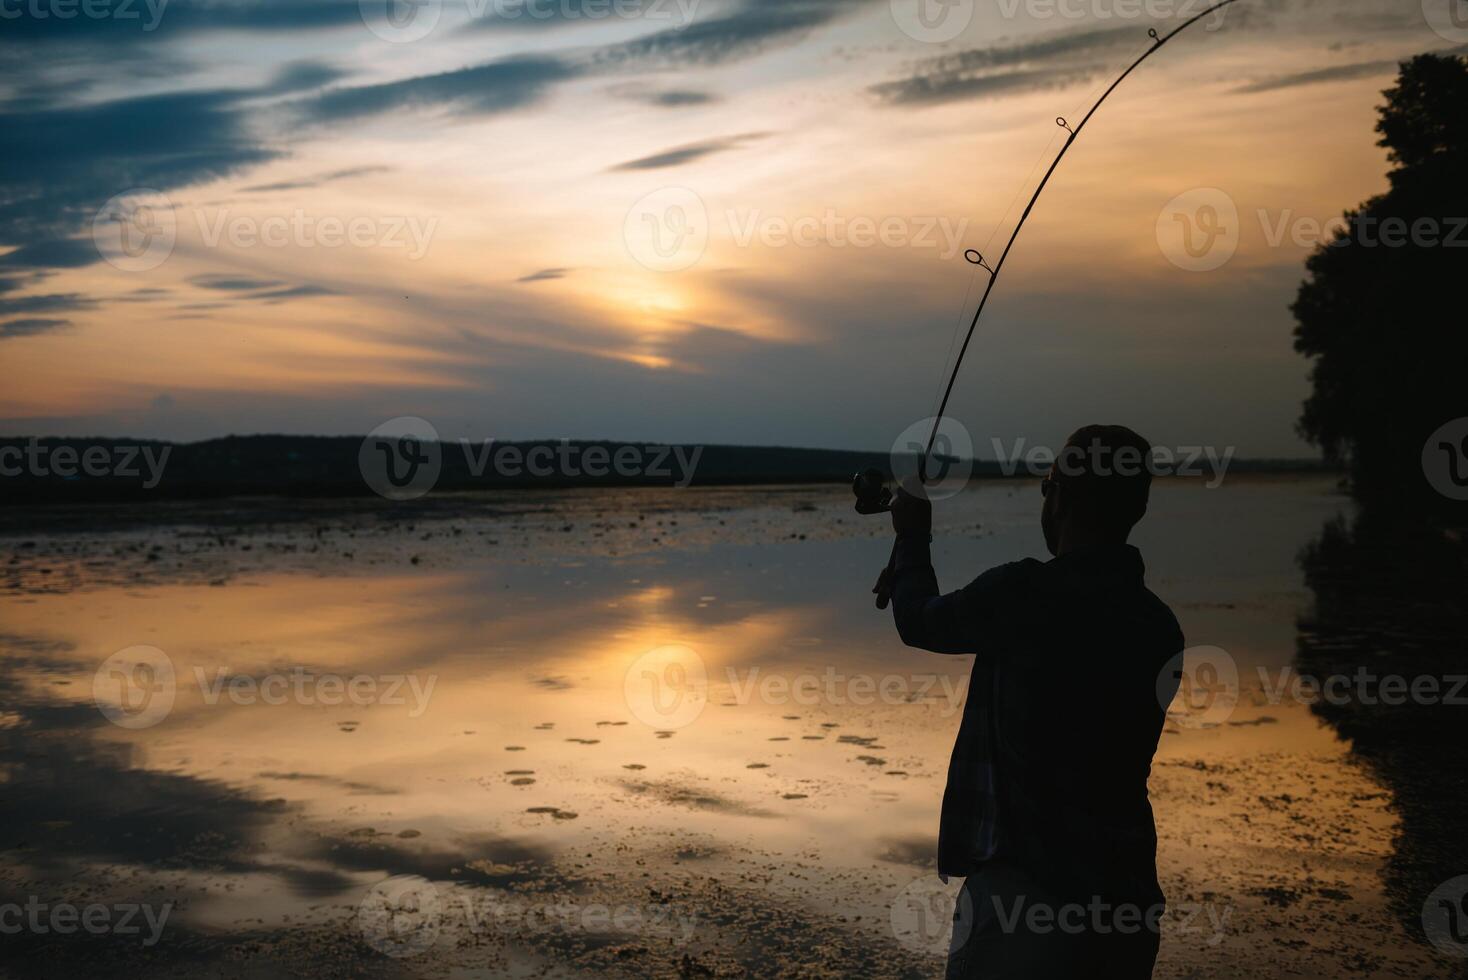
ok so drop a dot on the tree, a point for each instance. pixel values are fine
(1381, 311)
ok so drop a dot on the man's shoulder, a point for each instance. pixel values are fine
(1013, 574)
(1162, 617)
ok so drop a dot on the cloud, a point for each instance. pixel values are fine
(293, 292)
(1334, 73)
(544, 274)
(316, 180)
(746, 32)
(530, 15)
(49, 303)
(60, 165)
(301, 76)
(233, 283)
(146, 22)
(31, 326)
(252, 287)
(515, 82)
(53, 253)
(685, 154)
(498, 86)
(664, 98)
(1049, 62)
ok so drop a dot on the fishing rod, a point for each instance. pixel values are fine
(872, 495)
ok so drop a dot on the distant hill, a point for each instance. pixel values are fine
(61, 470)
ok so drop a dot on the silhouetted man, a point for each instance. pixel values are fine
(1046, 810)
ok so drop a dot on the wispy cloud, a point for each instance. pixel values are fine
(1049, 62)
(233, 284)
(48, 303)
(664, 98)
(1333, 73)
(315, 180)
(498, 86)
(59, 165)
(692, 151)
(30, 327)
(751, 30)
(544, 274)
(52, 253)
(1336, 73)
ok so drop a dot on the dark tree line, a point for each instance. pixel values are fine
(1381, 312)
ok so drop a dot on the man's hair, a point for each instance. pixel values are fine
(1107, 470)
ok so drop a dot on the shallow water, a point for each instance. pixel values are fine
(642, 732)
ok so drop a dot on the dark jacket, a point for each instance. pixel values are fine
(1063, 714)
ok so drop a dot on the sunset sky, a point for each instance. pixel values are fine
(693, 220)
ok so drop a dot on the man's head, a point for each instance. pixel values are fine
(1097, 488)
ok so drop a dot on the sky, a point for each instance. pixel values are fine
(704, 221)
